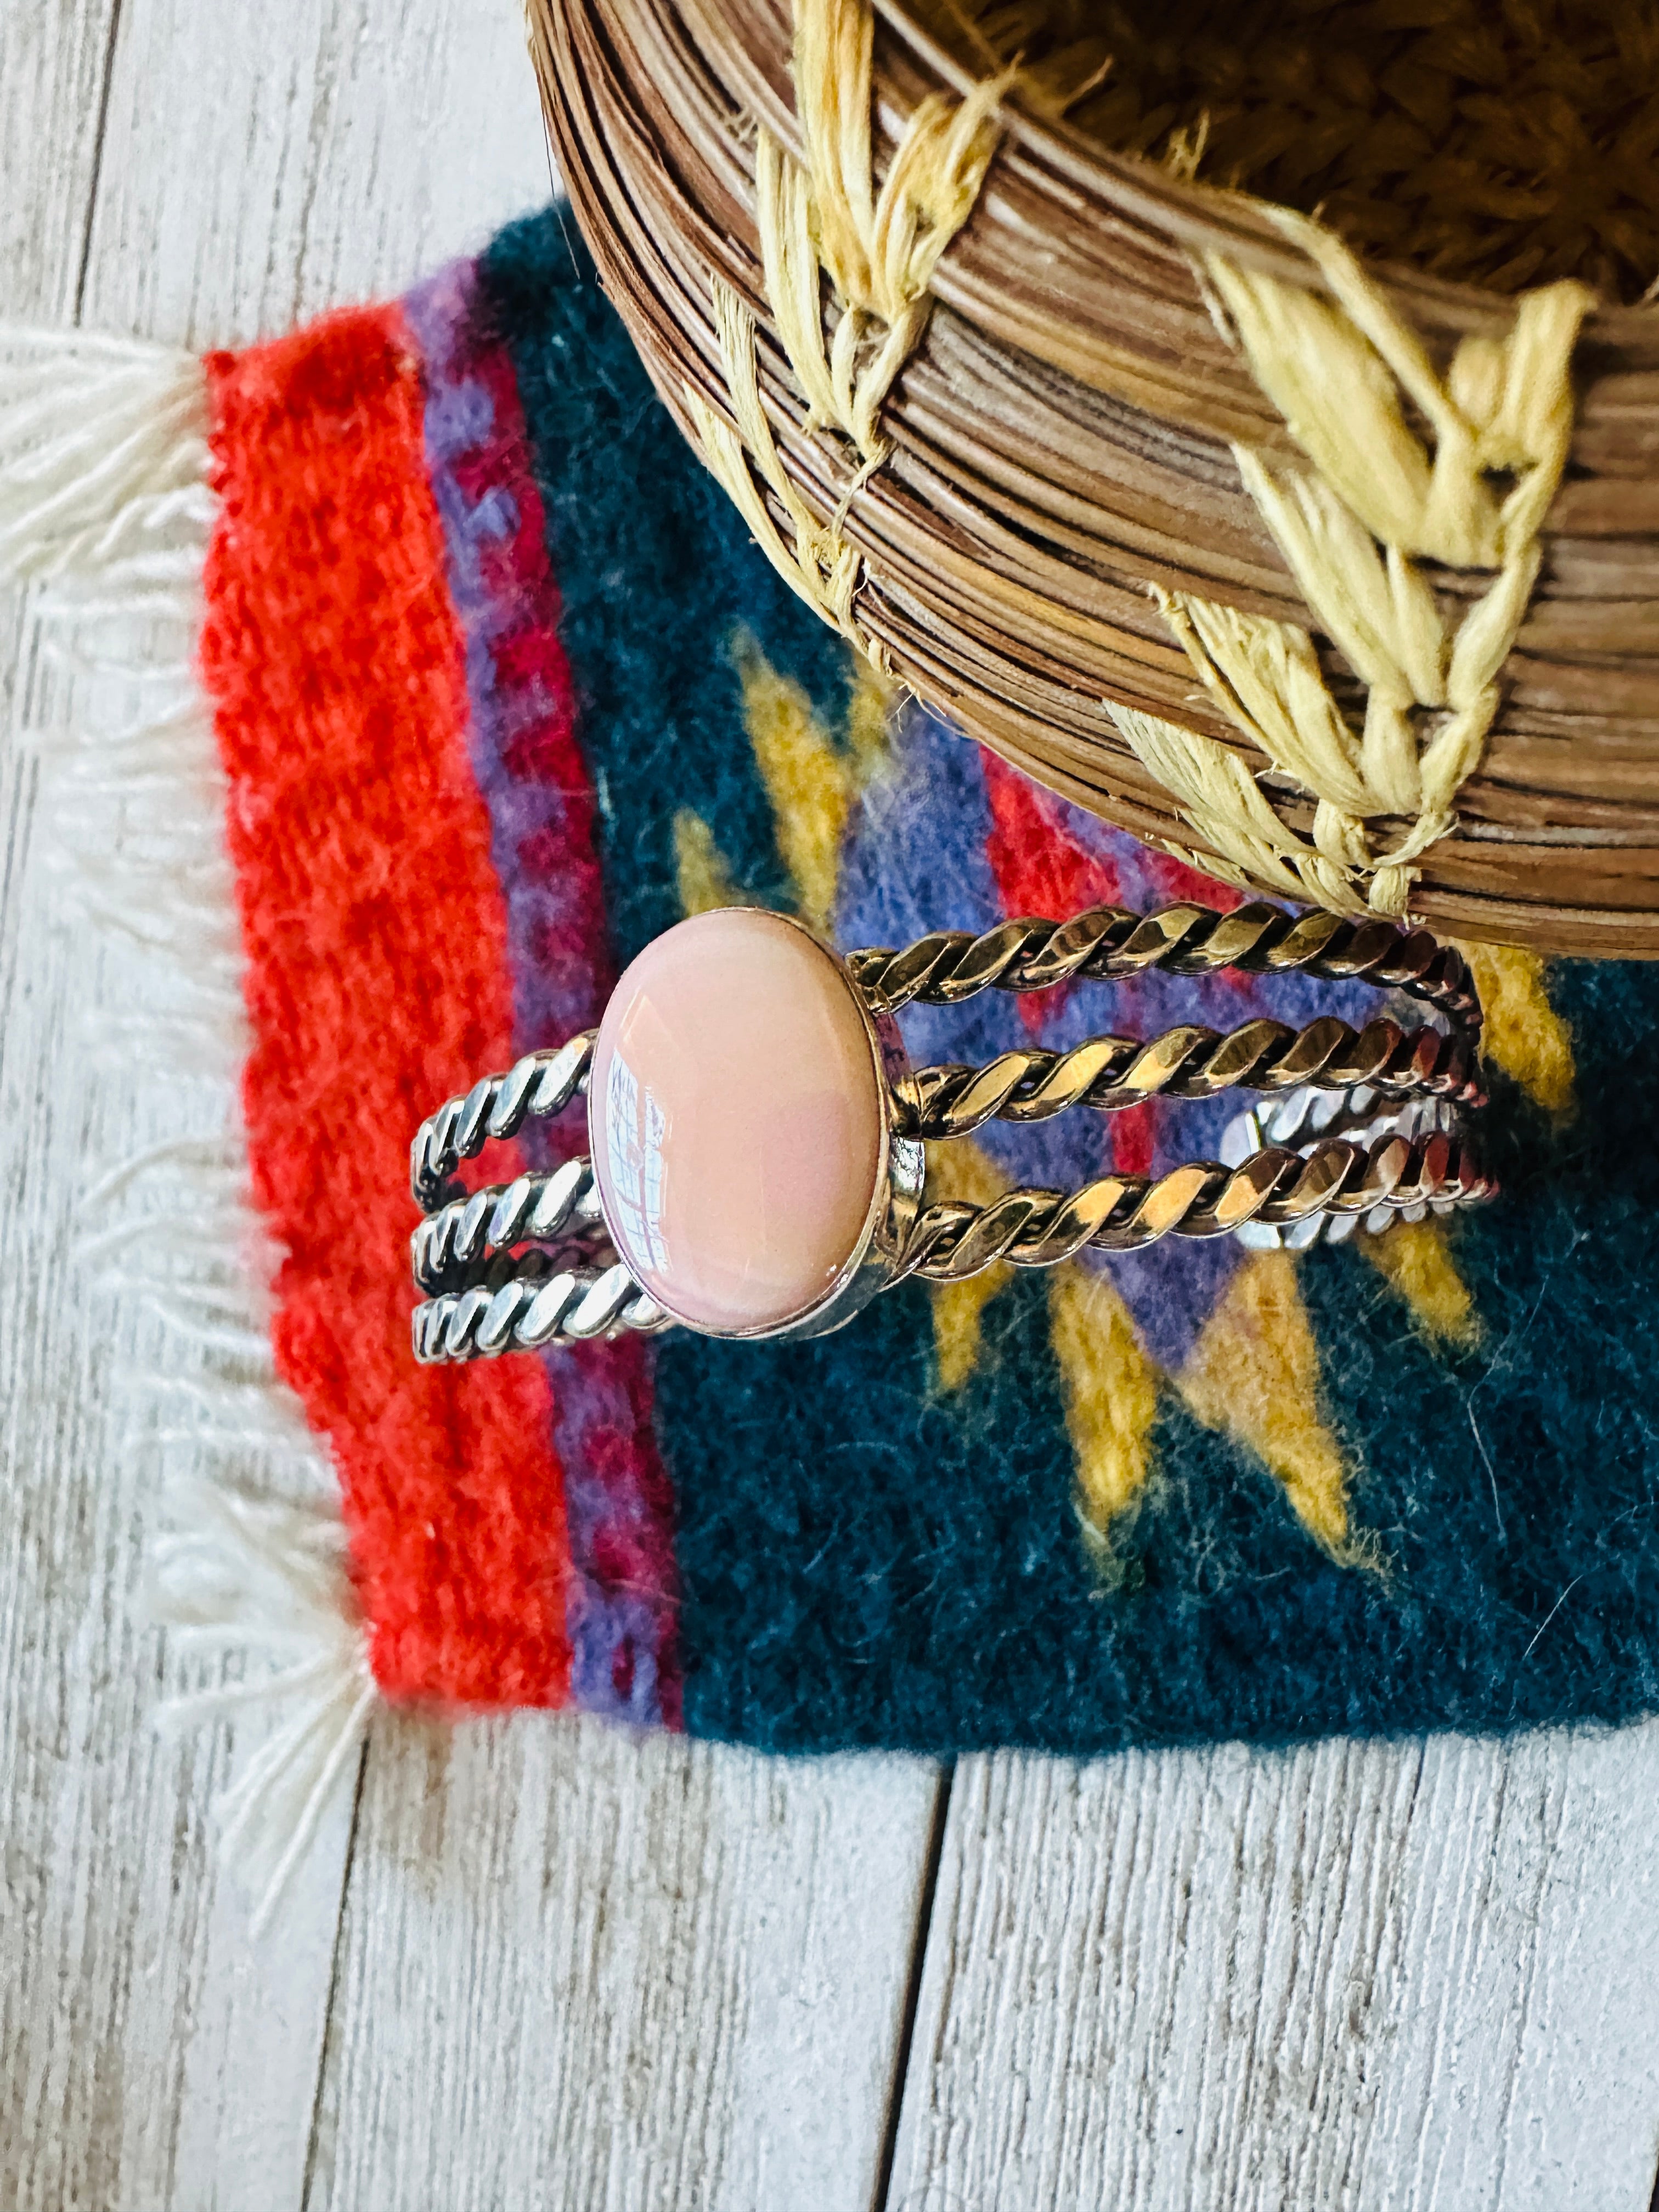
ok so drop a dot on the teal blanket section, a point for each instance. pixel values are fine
(657, 574)
(868, 1558)
(865, 1564)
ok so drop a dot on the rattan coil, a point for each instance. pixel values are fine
(1068, 447)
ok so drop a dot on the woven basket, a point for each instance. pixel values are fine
(1342, 575)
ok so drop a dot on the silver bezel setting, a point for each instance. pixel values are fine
(901, 1170)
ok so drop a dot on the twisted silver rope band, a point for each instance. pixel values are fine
(1108, 943)
(559, 1207)
(541, 1083)
(573, 1305)
(1110, 1072)
(1298, 1121)
(953, 1238)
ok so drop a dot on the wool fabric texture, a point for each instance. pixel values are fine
(501, 690)
(370, 921)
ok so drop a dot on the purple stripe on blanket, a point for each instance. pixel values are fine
(918, 859)
(622, 1604)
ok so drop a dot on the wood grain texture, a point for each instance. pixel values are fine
(1394, 1978)
(583, 1969)
(141, 2039)
(54, 56)
(257, 172)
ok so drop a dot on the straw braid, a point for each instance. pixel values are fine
(1378, 499)
(878, 249)
(820, 566)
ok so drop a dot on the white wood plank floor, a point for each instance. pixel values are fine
(533, 1962)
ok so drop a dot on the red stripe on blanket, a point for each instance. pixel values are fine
(1037, 868)
(377, 982)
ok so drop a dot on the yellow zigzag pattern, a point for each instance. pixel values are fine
(1255, 1371)
(811, 780)
(705, 880)
(1415, 1259)
(1254, 1374)
(1524, 1035)
(1529, 1039)
(1109, 1388)
(962, 1171)
(1108, 1384)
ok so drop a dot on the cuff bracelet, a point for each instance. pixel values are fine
(756, 1163)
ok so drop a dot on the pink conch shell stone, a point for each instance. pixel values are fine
(735, 1118)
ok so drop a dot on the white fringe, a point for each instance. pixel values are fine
(266, 1580)
(103, 466)
(104, 500)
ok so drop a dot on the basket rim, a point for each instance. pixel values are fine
(1212, 218)
(654, 105)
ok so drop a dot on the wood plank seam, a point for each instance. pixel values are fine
(913, 1988)
(336, 1965)
(105, 86)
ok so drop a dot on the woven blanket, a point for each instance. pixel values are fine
(487, 686)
